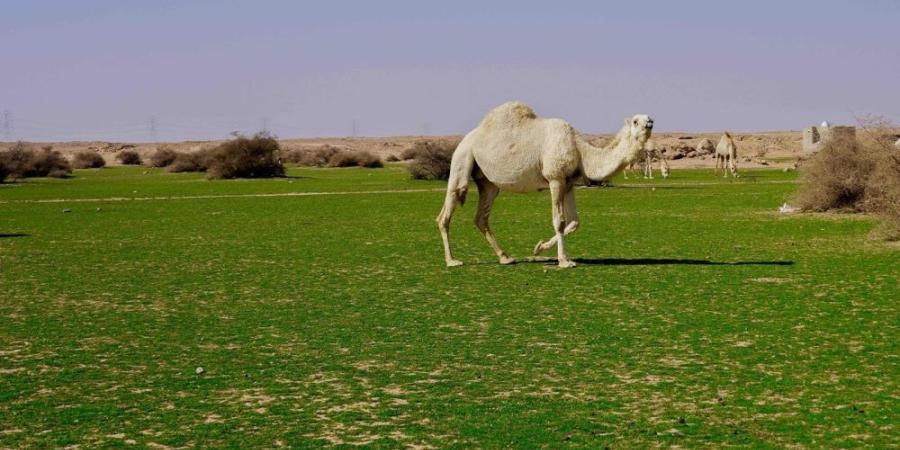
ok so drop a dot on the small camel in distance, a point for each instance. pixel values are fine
(726, 155)
(514, 150)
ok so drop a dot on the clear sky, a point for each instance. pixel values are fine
(98, 69)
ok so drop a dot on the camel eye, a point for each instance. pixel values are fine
(634, 122)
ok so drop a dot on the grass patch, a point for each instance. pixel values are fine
(699, 317)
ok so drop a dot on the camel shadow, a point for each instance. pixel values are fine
(653, 262)
(13, 235)
(674, 262)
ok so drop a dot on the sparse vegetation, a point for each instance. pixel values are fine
(318, 157)
(331, 156)
(860, 175)
(163, 157)
(430, 159)
(21, 161)
(189, 162)
(129, 158)
(355, 158)
(88, 159)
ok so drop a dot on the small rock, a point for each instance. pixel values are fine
(99, 209)
(199, 371)
(67, 210)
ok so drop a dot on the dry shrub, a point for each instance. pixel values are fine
(3, 171)
(356, 158)
(189, 162)
(163, 157)
(431, 160)
(129, 158)
(392, 158)
(859, 175)
(88, 159)
(243, 157)
(21, 161)
(319, 157)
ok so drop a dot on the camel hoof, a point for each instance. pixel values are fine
(565, 264)
(507, 260)
(538, 248)
(454, 263)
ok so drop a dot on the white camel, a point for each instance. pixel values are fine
(726, 155)
(514, 150)
(644, 161)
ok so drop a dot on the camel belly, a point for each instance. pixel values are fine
(516, 179)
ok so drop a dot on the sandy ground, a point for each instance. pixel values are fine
(759, 149)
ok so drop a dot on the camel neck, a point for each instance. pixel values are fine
(601, 163)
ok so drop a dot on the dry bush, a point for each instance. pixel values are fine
(129, 158)
(88, 159)
(392, 158)
(163, 157)
(243, 157)
(861, 175)
(189, 162)
(355, 158)
(432, 162)
(319, 157)
(427, 146)
(3, 171)
(21, 161)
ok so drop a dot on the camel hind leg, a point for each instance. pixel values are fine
(460, 168)
(487, 192)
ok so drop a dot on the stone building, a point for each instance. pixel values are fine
(814, 137)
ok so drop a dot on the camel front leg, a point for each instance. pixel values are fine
(558, 198)
(571, 218)
(487, 192)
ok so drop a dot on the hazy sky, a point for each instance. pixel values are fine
(96, 69)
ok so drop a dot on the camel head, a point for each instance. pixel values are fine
(635, 134)
(639, 127)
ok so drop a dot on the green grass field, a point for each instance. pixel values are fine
(698, 316)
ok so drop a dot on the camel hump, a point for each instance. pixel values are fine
(508, 114)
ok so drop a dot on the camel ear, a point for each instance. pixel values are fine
(628, 121)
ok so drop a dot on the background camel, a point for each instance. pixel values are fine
(646, 157)
(726, 155)
(513, 150)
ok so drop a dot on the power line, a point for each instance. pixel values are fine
(7, 124)
(152, 126)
